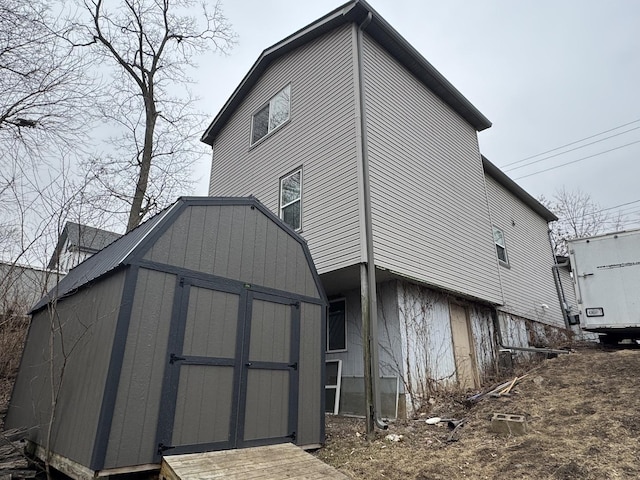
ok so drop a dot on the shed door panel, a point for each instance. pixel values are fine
(271, 370)
(232, 374)
(203, 408)
(204, 404)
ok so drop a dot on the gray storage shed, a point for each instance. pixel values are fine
(202, 329)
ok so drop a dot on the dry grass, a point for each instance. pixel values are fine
(582, 416)
(13, 330)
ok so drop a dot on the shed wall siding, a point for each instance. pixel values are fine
(320, 137)
(88, 322)
(429, 207)
(528, 281)
(311, 382)
(133, 430)
(236, 242)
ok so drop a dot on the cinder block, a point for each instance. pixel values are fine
(508, 424)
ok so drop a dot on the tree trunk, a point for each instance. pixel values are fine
(135, 215)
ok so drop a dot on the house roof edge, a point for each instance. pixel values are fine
(517, 190)
(352, 12)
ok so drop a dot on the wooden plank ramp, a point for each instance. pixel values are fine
(273, 462)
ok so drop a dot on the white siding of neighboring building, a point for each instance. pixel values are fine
(430, 214)
(320, 137)
(527, 283)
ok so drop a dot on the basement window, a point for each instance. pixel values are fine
(333, 376)
(337, 326)
(501, 246)
(271, 116)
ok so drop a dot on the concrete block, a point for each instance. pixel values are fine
(508, 424)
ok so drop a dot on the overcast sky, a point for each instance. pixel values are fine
(546, 73)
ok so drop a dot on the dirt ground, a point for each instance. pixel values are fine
(583, 417)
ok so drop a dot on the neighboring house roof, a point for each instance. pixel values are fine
(354, 11)
(123, 250)
(81, 238)
(500, 177)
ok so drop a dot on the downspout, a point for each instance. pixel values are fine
(370, 279)
(557, 280)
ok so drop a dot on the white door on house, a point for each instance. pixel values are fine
(463, 347)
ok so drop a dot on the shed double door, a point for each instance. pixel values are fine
(232, 370)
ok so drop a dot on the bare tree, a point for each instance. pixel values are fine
(151, 44)
(45, 92)
(578, 216)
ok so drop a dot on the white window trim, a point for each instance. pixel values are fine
(270, 130)
(346, 336)
(496, 244)
(336, 387)
(281, 206)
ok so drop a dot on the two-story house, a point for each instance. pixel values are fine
(357, 142)
(78, 242)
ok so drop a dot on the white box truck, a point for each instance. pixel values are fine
(606, 276)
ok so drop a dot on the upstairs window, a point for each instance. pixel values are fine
(291, 199)
(501, 246)
(271, 116)
(337, 326)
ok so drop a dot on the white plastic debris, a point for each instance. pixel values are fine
(392, 437)
(433, 420)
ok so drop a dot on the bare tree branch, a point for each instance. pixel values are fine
(152, 45)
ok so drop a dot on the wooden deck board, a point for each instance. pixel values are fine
(273, 462)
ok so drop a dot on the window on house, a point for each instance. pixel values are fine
(501, 246)
(337, 326)
(291, 199)
(271, 116)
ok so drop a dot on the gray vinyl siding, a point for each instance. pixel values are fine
(236, 242)
(133, 431)
(320, 137)
(528, 281)
(88, 321)
(388, 334)
(429, 209)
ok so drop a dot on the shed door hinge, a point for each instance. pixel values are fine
(163, 448)
(294, 366)
(292, 436)
(173, 358)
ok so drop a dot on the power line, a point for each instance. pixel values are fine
(571, 150)
(569, 144)
(576, 161)
(618, 206)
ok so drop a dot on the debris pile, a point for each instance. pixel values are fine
(13, 462)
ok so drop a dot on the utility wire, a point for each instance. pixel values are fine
(618, 206)
(571, 150)
(569, 144)
(576, 161)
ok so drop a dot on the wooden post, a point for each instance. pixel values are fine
(366, 349)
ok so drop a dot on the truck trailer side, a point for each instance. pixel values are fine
(606, 276)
